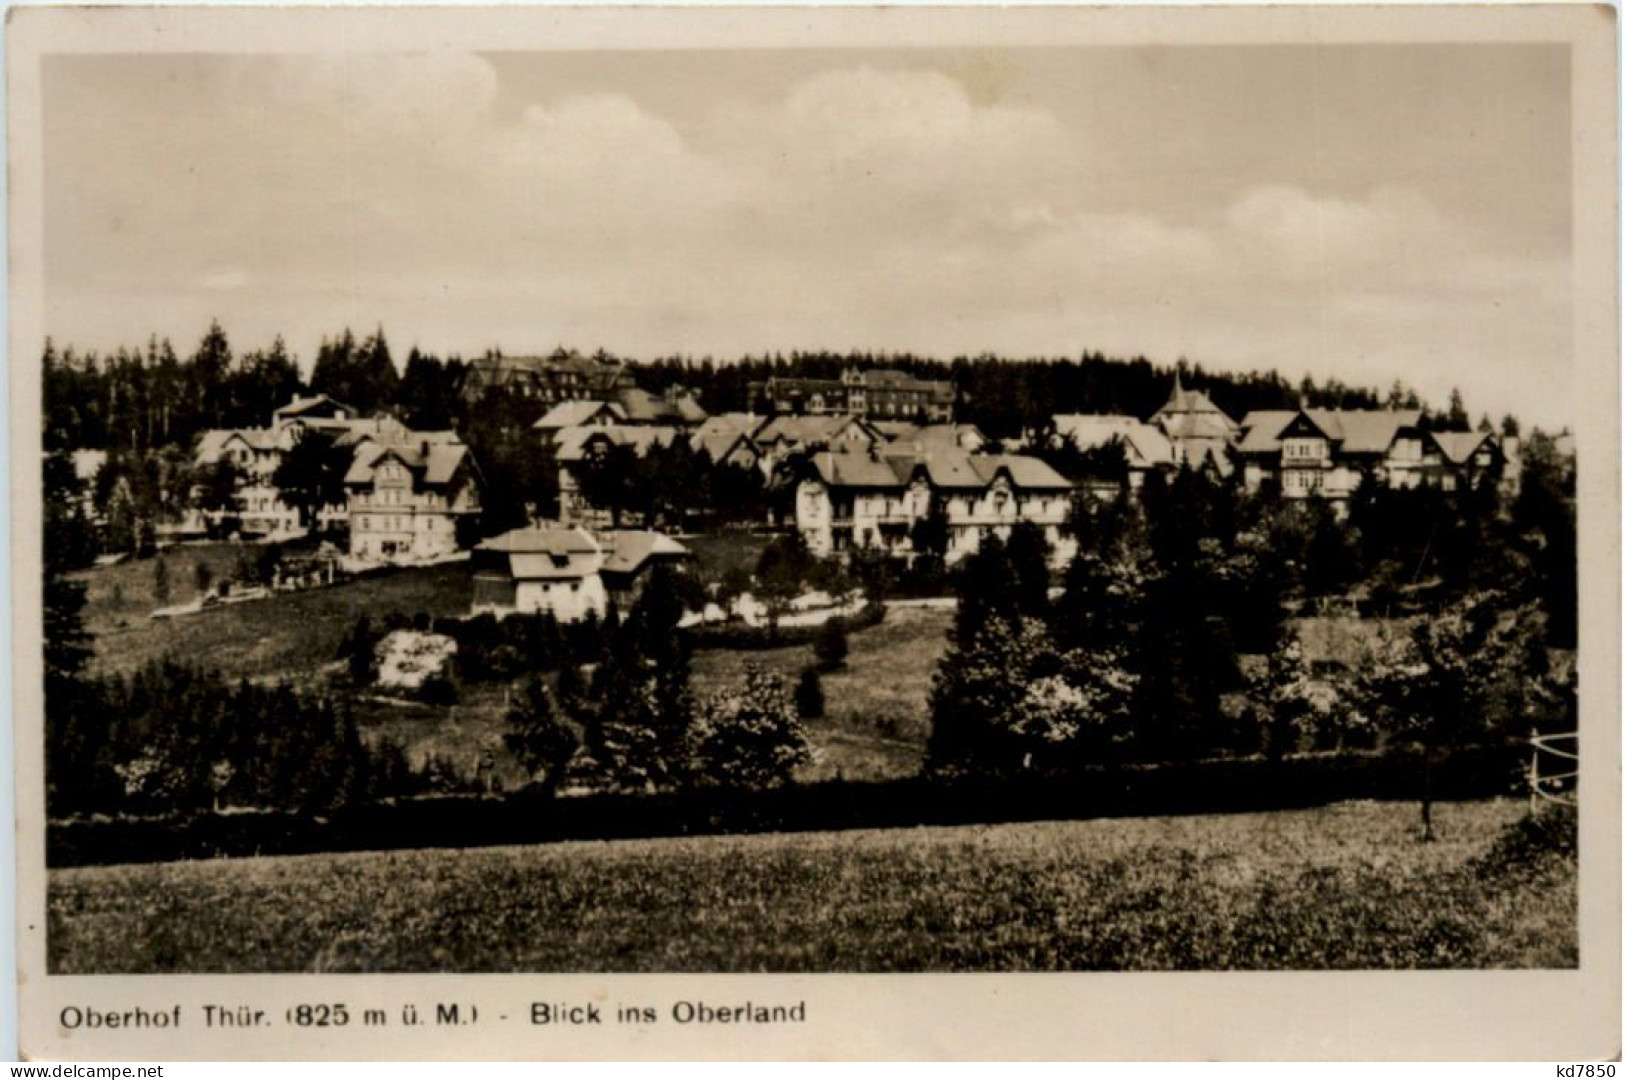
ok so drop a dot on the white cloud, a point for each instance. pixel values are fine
(861, 206)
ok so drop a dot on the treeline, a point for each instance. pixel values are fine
(146, 406)
(146, 397)
(1008, 396)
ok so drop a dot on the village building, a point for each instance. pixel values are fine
(576, 449)
(1145, 448)
(783, 436)
(1199, 433)
(905, 433)
(629, 406)
(411, 499)
(875, 394)
(1462, 459)
(567, 572)
(730, 438)
(255, 453)
(562, 376)
(872, 500)
(1327, 453)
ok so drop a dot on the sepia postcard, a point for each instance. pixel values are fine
(816, 533)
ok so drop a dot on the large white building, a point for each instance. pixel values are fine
(567, 572)
(1328, 453)
(856, 500)
(255, 453)
(407, 495)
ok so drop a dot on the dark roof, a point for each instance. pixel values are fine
(1458, 446)
(1356, 431)
(944, 467)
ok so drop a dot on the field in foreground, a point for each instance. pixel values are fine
(1346, 886)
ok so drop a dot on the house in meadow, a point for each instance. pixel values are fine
(567, 571)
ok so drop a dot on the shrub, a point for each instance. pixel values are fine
(750, 736)
(830, 645)
(810, 695)
(438, 690)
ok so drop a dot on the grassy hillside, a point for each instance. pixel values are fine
(1346, 886)
(877, 714)
(286, 634)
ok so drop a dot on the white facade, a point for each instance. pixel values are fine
(850, 505)
(569, 601)
(405, 501)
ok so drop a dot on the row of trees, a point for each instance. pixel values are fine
(678, 486)
(148, 396)
(146, 406)
(1170, 636)
(631, 723)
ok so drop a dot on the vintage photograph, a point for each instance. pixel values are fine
(821, 508)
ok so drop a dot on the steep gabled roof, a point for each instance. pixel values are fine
(554, 540)
(1367, 431)
(1145, 443)
(572, 443)
(1458, 446)
(629, 549)
(568, 414)
(719, 445)
(858, 470)
(805, 430)
(1356, 431)
(432, 461)
(733, 423)
(315, 405)
(211, 444)
(1261, 430)
(950, 469)
(1028, 473)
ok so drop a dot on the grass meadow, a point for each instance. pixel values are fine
(877, 713)
(1349, 886)
(287, 635)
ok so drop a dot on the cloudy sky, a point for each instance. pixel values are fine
(1369, 212)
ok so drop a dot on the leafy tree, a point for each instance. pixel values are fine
(1282, 698)
(160, 580)
(928, 536)
(810, 695)
(997, 706)
(217, 488)
(1028, 553)
(638, 729)
(782, 571)
(538, 735)
(749, 737)
(1543, 516)
(830, 646)
(310, 475)
(1437, 689)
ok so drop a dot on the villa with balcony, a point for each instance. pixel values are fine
(855, 500)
